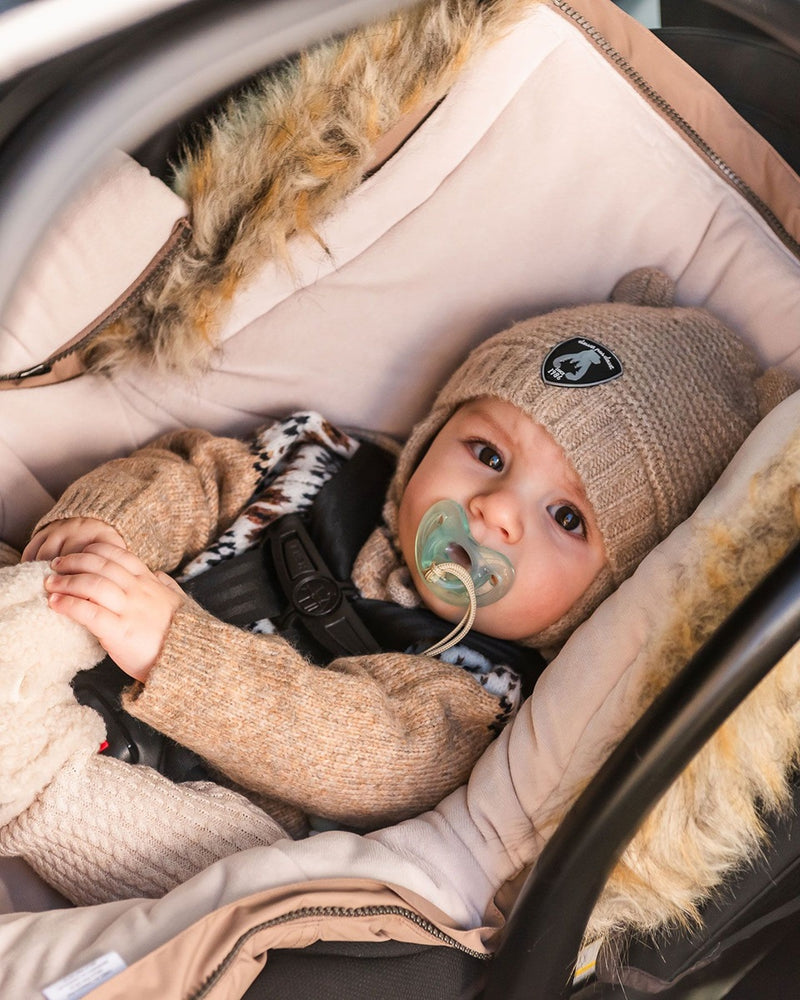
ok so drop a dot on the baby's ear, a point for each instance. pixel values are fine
(646, 286)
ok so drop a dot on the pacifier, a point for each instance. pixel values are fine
(443, 536)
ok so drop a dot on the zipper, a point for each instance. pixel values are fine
(680, 123)
(177, 240)
(330, 911)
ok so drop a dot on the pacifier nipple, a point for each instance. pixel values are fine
(443, 540)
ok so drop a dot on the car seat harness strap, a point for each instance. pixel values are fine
(298, 578)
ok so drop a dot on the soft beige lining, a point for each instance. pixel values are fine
(717, 127)
(67, 362)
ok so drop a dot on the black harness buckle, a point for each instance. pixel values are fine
(312, 592)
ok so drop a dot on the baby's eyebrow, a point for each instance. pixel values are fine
(497, 428)
(575, 483)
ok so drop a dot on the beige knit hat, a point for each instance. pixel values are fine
(649, 402)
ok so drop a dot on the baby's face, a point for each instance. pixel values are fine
(522, 498)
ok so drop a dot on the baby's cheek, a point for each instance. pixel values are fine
(448, 612)
(405, 533)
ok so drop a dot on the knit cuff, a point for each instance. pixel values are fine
(88, 498)
(163, 699)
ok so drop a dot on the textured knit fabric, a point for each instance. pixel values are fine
(8, 556)
(367, 741)
(104, 830)
(41, 724)
(93, 827)
(671, 395)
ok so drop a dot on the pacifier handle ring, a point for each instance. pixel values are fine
(437, 570)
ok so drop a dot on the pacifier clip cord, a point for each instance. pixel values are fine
(435, 572)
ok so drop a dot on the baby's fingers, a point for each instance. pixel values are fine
(102, 623)
(103, 561)
(71, 534)
(119, 554)
(100, 561)
(45, 545)
(95, 587)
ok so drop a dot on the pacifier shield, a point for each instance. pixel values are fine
(443, 536)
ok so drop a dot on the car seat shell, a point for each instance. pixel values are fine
(729, 256)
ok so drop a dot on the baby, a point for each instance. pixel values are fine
(552, 461)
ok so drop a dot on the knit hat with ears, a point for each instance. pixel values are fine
(649, 402)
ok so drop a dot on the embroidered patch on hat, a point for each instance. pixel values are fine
(580, 362)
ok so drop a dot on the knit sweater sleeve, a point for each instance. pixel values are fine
(367, 741)
(169, 499)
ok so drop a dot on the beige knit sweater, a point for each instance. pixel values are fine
(368, 741)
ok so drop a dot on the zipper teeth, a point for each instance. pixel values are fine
(179, 240)
(680, 122)
(331, 911)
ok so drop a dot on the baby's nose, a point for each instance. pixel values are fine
(498, 511)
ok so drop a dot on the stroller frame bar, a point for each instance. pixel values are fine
(550, 916)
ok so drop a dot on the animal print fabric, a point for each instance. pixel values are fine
(294, 457)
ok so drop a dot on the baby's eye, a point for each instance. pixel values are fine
(567, 517)
(488, 455)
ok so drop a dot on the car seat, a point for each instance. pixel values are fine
(403, 968)
(749, 56)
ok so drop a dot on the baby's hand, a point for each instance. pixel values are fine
(119, 600)
(72, 534)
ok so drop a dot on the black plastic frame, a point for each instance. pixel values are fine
(551, 914)
(779, 19)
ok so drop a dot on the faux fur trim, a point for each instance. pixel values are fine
(279, 159)
(711, 821)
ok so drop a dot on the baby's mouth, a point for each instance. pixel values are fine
(458, 554)
(444, 537)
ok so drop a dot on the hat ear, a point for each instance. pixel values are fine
(646, 286)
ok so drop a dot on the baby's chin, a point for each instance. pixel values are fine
(489, 620)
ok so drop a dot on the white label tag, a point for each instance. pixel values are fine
(587, 957)
(82, 981)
